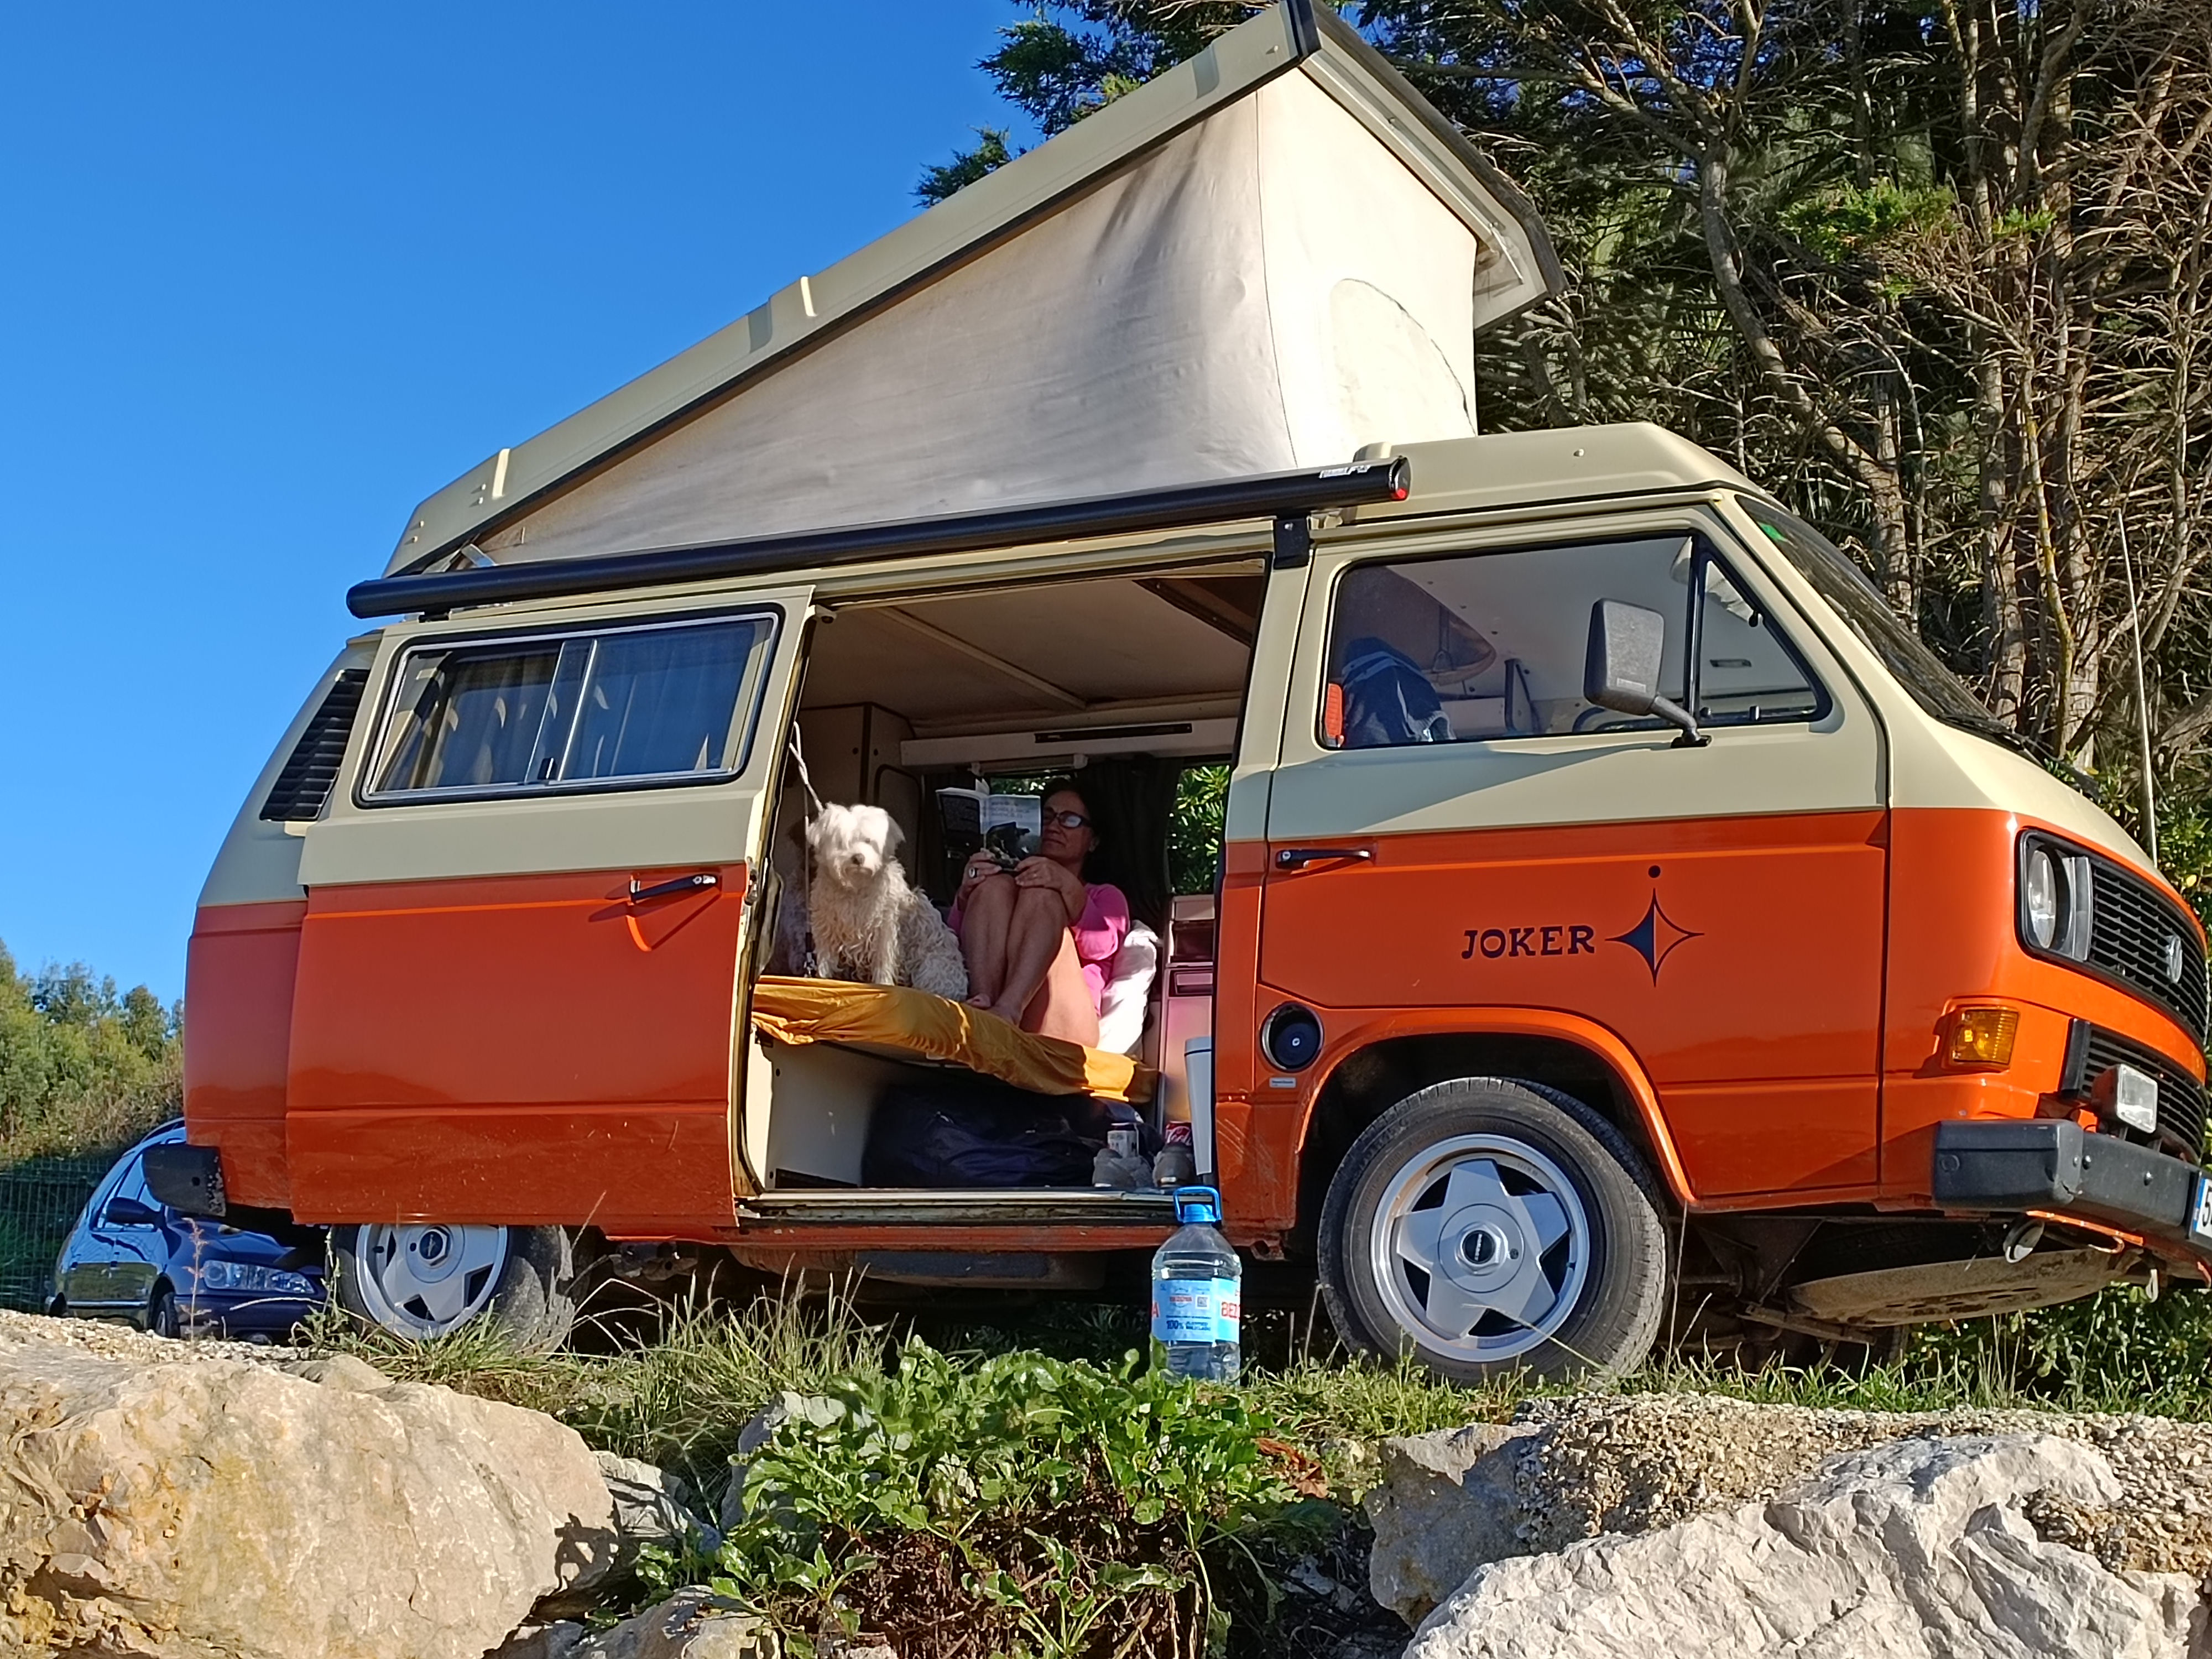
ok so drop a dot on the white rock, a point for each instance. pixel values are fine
(692, 1624)
(156, 1501)
(556, 1640)
(1444, 1506)
(651, 1507)
(1911, 1550)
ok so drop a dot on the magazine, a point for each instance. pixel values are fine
(1005, 826)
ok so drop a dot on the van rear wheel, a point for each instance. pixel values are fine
(425, 1280)
(1487, 1226)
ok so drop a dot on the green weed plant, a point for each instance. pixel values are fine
(1016, 1503)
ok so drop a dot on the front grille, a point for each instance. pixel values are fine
(2091, 1051)
(2128, 940)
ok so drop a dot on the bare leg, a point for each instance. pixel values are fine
(985, 920)
(1035, 942)
(1062, 1005)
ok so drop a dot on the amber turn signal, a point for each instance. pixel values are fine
(1981, 1038)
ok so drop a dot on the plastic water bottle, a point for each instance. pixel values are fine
(1198, 1293)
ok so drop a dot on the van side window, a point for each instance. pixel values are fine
(667, 704)
(1491, 645)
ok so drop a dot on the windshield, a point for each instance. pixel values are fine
(1857, 600)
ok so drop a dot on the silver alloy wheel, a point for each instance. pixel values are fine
(426, 1279)
(1481, 1247)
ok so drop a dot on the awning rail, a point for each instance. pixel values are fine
(1288, 498)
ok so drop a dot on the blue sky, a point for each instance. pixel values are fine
(273, 274)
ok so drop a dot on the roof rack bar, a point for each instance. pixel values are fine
(1271, 496)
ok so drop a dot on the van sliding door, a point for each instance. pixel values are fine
(526, 907)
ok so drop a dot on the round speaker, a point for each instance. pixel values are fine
(1291, 1038)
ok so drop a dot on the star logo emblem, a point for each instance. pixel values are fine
(1656, 937)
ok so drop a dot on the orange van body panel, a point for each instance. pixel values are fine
(1739, 960)
(1786, 1134)
(1236, 969)
(1955, 938)
(516, 1048)
(1258, 1136)
(1954, 943)
(238, 972)
(532, 1049)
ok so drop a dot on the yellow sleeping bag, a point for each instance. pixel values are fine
(912, 1025)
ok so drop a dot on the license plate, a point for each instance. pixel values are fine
(2199, 1211)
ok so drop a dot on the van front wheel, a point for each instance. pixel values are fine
(428, 1280)
(1487, 1226)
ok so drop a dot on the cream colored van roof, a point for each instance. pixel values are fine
(1270, 256)
(1558, 463)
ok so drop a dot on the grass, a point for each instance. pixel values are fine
(979, 1486)
(682, 1398)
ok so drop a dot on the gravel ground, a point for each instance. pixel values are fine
(120, 1341)
(1632, 1463)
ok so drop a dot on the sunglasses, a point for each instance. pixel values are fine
(1067, 820)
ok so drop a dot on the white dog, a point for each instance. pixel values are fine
(868, 924)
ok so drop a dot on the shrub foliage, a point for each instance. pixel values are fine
(82, 1067)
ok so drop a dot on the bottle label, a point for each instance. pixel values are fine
(1195, 1309)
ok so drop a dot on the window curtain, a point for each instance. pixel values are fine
(1132, 800)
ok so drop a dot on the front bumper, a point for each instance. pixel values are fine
(249, 1315)
(2054, 1163)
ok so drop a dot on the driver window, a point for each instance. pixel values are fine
(1491, 645)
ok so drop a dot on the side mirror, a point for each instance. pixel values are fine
(1626, 644)
(129, 1213)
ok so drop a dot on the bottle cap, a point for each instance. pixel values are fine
(1197, 1203)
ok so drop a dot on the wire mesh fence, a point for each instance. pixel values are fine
(39, 1201)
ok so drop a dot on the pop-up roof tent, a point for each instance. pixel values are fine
(1267, 257)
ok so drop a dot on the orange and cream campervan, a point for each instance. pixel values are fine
(1619, 917)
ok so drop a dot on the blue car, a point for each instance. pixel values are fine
(132, 1257)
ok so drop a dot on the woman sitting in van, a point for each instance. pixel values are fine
(1039, 940)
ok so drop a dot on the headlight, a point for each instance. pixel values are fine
(2039, 896)
(244, 1276)
(2129, 1095)
(2056, 900)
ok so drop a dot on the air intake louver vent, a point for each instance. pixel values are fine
(305, 783)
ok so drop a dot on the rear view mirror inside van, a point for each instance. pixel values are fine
(1621, 672)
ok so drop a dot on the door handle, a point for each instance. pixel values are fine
(1297, 858)
(699, 883)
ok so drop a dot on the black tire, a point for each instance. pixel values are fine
(1608, 1282)
(161, 1311)
(531, 1301)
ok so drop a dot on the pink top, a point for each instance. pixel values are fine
(1098, 931)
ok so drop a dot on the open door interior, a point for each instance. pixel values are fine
(1130, 685)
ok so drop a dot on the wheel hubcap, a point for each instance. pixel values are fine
(1481, 1247)
(426, 1280)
